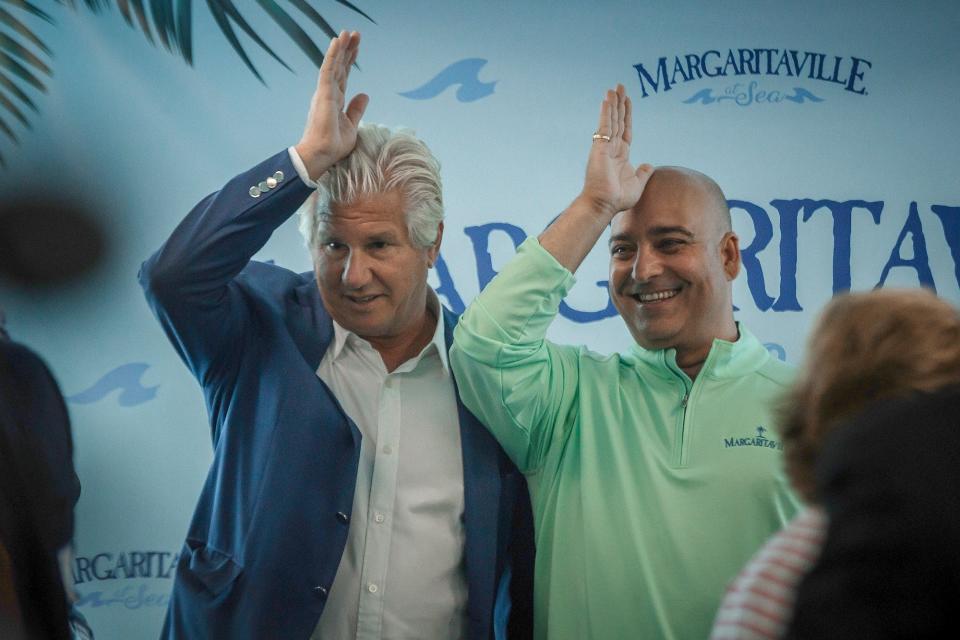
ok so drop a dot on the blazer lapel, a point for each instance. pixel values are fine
(481, 488)
(311, 328)
(310, 324)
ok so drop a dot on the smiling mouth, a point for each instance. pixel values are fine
(655, 296)
(362, 299)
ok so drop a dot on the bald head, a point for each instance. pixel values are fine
(693, 188)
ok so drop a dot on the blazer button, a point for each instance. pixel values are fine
(342, 517)
(320, 591)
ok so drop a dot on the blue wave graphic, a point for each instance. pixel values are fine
(776, 350)
(126, 378)
(465, 73)
(801, 95)
(704, 96)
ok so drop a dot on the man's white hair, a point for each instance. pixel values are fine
(382, 161)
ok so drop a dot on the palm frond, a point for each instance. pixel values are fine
(18, 27)
(9, 64)
(225, 8)
(7, 130)
(293, 30)
(21, 65)
(314, 15)
(9, 44)
(351, 6)
(18, 93)
(14, 110)
(163, 21)
(136, 6)
(172, 23)
(185, 30)
(26, 6)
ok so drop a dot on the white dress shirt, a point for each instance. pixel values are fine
(401, 575)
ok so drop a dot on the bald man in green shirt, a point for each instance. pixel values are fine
(654, 473)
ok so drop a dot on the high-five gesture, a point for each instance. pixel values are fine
(331, 130)
(612, 185)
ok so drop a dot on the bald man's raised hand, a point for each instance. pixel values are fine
(612, 184)
(331, 131)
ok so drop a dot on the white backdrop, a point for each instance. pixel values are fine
(833, 187)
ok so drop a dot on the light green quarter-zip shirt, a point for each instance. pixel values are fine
(649, 492)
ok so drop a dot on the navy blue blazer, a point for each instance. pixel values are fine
(271, 522)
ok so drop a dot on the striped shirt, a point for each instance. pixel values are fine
(759, 601)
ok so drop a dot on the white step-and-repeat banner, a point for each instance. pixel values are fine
(832, 127)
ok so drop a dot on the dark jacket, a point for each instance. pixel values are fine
(890, 566)
(38, 491)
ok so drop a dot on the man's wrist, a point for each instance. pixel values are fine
(316, 164)
(602, 210)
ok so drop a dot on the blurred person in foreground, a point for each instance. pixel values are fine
(351, 495)
(865, 347)
(651, 473)
(38, 492)
(890, 484)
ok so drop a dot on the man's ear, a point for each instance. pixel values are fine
(730, 255)
(434, 249)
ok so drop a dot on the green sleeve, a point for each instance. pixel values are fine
(522, 387)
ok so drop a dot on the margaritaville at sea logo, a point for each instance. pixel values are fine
(759, 440)
(755, 76)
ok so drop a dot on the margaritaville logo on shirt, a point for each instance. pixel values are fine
(747, 72)
(759, 440)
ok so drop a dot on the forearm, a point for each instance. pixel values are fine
(575, 232)
(517, 383)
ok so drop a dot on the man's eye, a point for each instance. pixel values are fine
(619, 250)
(671, 243)
(332, 246)
(380, 244)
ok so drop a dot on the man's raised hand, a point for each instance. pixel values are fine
(612, 184)
(331, 131)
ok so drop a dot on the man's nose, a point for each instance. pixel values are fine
(356, 270)
(646, 265)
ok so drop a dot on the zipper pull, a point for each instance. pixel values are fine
(683, 401)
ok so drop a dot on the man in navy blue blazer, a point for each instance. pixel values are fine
(351, 494)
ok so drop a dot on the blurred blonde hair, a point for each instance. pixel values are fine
(864, 347)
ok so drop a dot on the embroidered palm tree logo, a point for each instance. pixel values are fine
(760, 432)
(23, 71)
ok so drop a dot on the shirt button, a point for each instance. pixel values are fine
(372, 588)
(320, 591)
(379, 517)
(387, 449)
(342, 517)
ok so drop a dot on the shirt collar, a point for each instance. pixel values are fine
(342, 336)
